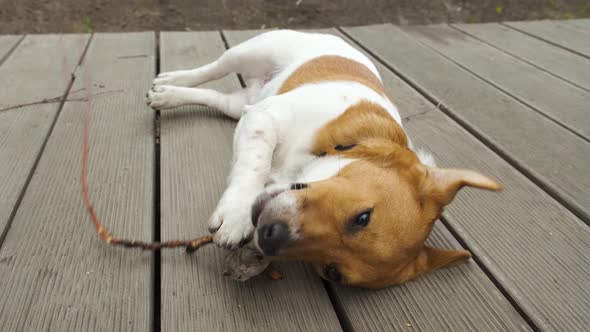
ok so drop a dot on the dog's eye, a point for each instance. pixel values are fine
(332, 273)
(362, 220)
(344, 147)
(298, 186)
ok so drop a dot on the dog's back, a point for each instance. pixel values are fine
(279, 53)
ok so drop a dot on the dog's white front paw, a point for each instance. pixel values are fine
(182, 78)
(162, 97)
(231, 221)
(235, 227)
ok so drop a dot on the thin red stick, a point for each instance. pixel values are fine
(103, 232)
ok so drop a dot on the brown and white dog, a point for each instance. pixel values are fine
(323, 171)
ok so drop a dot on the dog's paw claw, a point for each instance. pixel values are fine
(212, 230)
(216, 220)
(161, 97)
(158, 88)
(245, 240)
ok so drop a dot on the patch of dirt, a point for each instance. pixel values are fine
(35, 16)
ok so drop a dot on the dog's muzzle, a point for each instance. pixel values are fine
(273, 237)
(272, 229)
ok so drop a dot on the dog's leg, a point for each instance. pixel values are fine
(255, 139)
(254, 59)
(166, 96)
(259, 57)
(194, 77)
(245, 59)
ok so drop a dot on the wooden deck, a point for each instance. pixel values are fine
(511, 100)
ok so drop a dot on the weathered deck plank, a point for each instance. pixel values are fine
(394, 308)
(196, 147)
(583, 24)
(460, 298)
(564, 103)
(24, 78)
(56, 274)
(555, 60)
(567, 36)
(519, 134)
(531, 244)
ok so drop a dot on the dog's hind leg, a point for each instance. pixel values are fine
(240, 59)
(167, 96)
(256, 58)
(193, 77)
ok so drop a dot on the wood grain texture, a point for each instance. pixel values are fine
(26, 77)
(460, 298)
(555, 60)
(519, 134)
(530, 243)
(417, 305)
(562, 102)
(196, 148)
(56, 274)
(570, 37)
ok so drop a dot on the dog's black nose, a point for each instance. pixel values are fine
(272, 237)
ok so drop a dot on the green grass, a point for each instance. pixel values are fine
(87, 24)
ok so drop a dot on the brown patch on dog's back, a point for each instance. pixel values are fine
(332, 68)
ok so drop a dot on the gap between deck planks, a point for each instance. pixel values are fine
(531, 244)
(24, 130)
(528, 140)
(7, 45)
(196, 147)
(56, 274)
(565, 104)
(417, 304)
(573, 38)
(85, 313)
(550, 58)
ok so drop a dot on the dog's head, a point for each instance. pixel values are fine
(365, 226)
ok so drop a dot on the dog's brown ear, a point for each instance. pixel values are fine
(430, 259)
(442, 184)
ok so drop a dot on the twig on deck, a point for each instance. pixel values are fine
(56, 100)
(409, 117)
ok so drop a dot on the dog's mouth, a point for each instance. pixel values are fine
(271, 213)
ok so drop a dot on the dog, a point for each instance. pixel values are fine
(323, 171)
